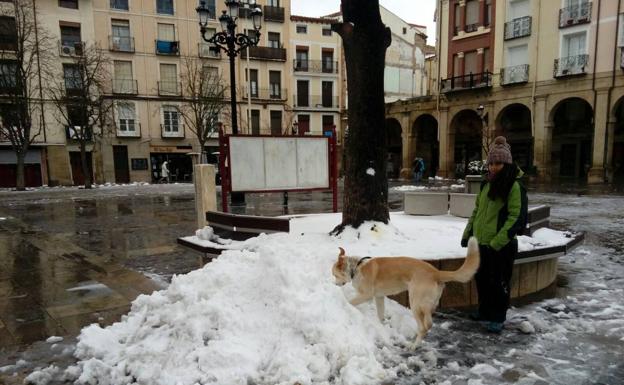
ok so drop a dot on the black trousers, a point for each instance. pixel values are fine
(493, 281)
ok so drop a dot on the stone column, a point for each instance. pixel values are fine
(597, 171)
(447, 143)
(205, 191)
(610, 143)
(542, 138)
(406, 150)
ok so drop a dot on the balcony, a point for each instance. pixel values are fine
(119, 5)
(265, 53)
(128, 129)
(315, 101)
(121, 43)
(467, 82)
(208, 51)
(315, 66)
(165, 47)
(172, 131)
(277, 94)
(575, 14)
(125, 87)
(515, 74)
(273, 14)
(570, 66)
(169, 88)
(70, 48)
(519, 27)
(75, 133)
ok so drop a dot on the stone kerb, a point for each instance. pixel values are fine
(425, 203)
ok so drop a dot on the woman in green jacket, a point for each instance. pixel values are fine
(495, 221)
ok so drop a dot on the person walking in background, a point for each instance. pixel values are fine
(499, 215)
(418, 168)
(164, 172)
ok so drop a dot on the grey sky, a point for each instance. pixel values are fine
(412, 11)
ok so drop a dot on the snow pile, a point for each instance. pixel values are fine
(541, 238)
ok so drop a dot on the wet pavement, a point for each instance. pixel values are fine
(71, 257)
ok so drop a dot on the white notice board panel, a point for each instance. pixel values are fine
(278, 163)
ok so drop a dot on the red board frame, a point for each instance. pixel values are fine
(226, 176)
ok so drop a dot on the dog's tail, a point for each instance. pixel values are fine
(468, 269)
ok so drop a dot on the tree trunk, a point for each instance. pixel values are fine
(365, 40)
(85, 166)
(20, 182)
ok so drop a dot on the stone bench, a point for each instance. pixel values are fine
(426, 203)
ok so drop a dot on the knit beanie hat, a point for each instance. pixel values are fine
(500, 151)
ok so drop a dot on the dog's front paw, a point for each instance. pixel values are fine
(414, 345)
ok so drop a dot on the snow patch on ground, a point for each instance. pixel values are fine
(370, 171)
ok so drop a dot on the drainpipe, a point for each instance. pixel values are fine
(535, 72)
(610, 93)
(438, 59)
(594, 69)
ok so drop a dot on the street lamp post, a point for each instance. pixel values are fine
(229, 41)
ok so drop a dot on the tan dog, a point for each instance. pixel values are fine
(380, 277)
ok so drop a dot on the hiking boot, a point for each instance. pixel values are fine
(494, 327)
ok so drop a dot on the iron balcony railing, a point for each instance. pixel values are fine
(128, 129)
(208, 51)
(165, 47)
(70, 48)
(121, 43)
(467, 82)
(571, 65)
(315, 101)
(125, 86)
(275, 93)
(121, 5)
(265, 53)
(75, 133)
(273, 13)
(175, 130)
(315, 66)
(169, 88)
(575, 14)
(519, 27)
(515, 74)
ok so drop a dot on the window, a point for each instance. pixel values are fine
(302, 28)
(327, 94)
(404, 31)
(327, 31)
(470, 63)
(119, 4)
(126, 116)
(168, 78)
(302, 93)
(72, 76)
(276, 122)
(487, 16)
(8, 34)
(121, 39)
(472, 15)
(328, 123)
(456, 66)
(75, 117)
(166, 32)
(275, 84)
(327, 57)
(123, 81)
(166, 43)
(253, 83)
(73, 4)
(273, 3)
(457, 19)
(8, 75)
(255, 122)
(621, 30)
(210, 4)
(164, 7)
(70, 36)
(301, 62)
(486, 59)
(517, 55)
(171, 119)
(574, 44)
(274, 40)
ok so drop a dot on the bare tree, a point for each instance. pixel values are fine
(24, 54)
(80, 102)
(204, 93)
(365, 39)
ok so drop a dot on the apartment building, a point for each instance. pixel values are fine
(148, 44)
(546, 74)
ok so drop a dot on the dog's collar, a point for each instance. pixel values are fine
(358, 264)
